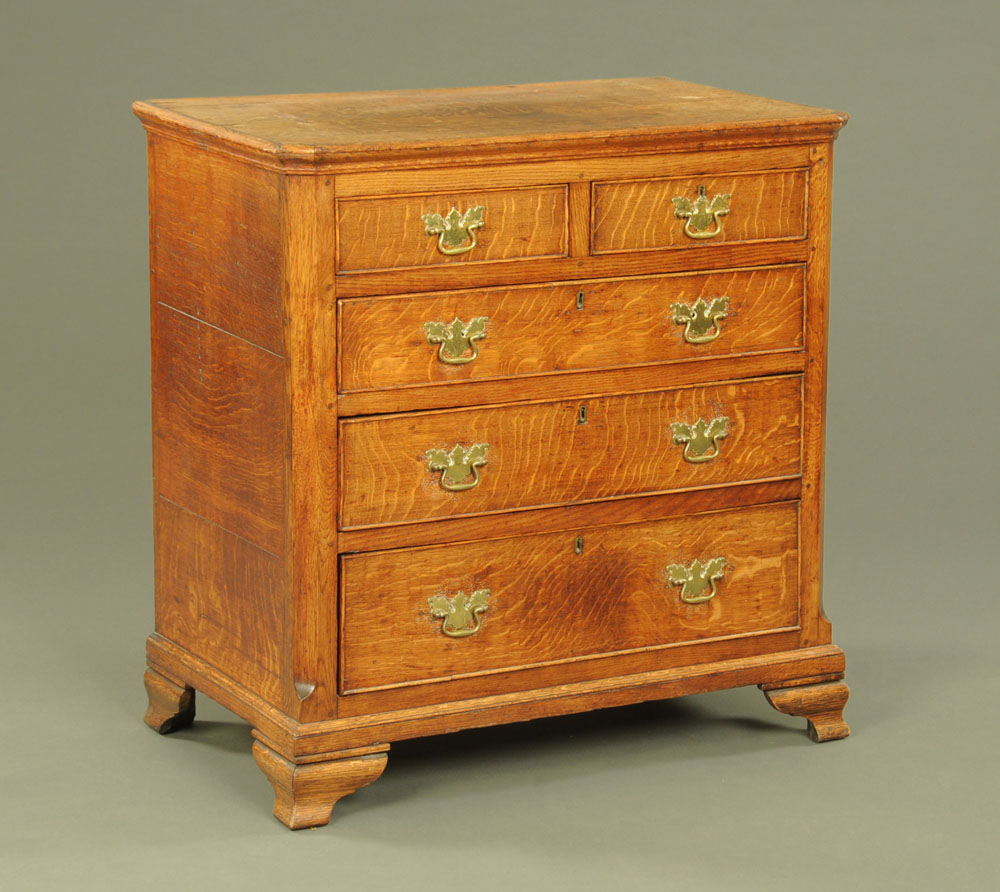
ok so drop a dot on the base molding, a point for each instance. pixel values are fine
(822, 705)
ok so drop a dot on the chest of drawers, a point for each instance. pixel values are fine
(475, 406)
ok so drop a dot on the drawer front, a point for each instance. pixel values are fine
(637, 215)
(428, 465)
(420, 230)
(426, 614)
(401, 341)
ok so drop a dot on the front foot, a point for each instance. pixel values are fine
(305, 794)
(822, 705)
(171, 705)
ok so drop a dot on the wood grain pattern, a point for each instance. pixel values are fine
(547, 603)
(570, 384)
(219, 427)
(388, 233)
(652, 261)
(426, 126)
(581, 171)
(207, 207)
(222, 598)
(636, 215)
(538, 329)
(539, 454)
(311, 344)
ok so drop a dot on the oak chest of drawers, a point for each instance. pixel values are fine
(475, 406)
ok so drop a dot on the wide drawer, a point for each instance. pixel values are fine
(474, 335)
(451, 227)
(698, 212)
(428, 465)
(426, 614)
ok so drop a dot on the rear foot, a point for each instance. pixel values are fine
(171, 705)
(822, 705)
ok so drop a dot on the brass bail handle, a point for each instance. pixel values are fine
(698, 582)
(456, 339)
(701, 213)
(454, 229)
(701, 439)
(457, 465)
(460, 616)
(701, 320)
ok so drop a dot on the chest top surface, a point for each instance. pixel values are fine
(345, 126)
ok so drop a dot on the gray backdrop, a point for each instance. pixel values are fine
(711, 792)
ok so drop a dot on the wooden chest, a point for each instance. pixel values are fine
(474, 406)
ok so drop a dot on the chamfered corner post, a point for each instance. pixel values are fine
(171, 704)
(305, 793)
(821, 705)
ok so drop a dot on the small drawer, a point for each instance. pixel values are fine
(698, 212)
(453, 227)
(429, 614)
(429, 465)
(474, 335)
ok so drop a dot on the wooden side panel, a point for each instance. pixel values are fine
(388, 233)
(549, 603)
(219, 428)
(540, 453)
(221, 598)
(537, 329)
(636, 215)
(216, 232)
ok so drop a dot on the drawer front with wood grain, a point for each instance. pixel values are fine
(428, 465)
(474, 335)
(698, 212)
(451, 228)
(430, 614)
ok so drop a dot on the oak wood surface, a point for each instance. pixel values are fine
(215, 249)
(488, 173)
(434, 124)
(389, 233)
(219, 427)
(540, 454)
(636, 215)
(537, 329)
(548, 603)
(221, 597)
(569, 384)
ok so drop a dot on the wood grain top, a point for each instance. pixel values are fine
(344, 126)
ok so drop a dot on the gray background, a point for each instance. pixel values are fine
(711, 792)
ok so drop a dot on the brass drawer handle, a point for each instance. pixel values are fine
(700, 437)
(697, 581)
(454, 228)
(456, 338)
(458, 465)
(461, 616)
(701, 320)
(701, 212)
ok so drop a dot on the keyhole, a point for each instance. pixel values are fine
(579, 299)
(579, 545)
(581, 416)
